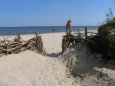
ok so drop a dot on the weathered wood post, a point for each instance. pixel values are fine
(39, 44)
(78, 33)
(6, 48)
(6, 45)
(79, 36)
(17, 38)
(85, 32)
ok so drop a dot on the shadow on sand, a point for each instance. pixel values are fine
(84, 65)
(54, 54)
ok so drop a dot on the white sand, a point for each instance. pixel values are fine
(88, 70)
(52, 41)
(31, 69)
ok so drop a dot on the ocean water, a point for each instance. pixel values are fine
(39, 29)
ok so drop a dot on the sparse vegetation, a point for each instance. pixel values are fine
(104, 41)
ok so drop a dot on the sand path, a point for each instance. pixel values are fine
(31, 69)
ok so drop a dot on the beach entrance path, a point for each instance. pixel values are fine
(52, 43)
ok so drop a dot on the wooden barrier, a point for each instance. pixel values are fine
(16, 46)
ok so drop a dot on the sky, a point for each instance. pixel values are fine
(54, 12)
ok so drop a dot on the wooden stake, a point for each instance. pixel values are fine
(85, 32)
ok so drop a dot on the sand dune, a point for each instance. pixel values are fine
(31, 69)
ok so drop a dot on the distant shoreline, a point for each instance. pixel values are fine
(42, 29)
(45, 26)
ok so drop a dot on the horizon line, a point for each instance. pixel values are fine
(51, 26)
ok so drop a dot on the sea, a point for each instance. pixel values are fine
(40, 29)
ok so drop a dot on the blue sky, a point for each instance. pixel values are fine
(53, 12)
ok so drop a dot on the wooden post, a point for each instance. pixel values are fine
(39, 44)
(85, 32)
(6, 46)
(78, 33)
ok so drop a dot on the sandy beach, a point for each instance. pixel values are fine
(31, 69)
(57, 42)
